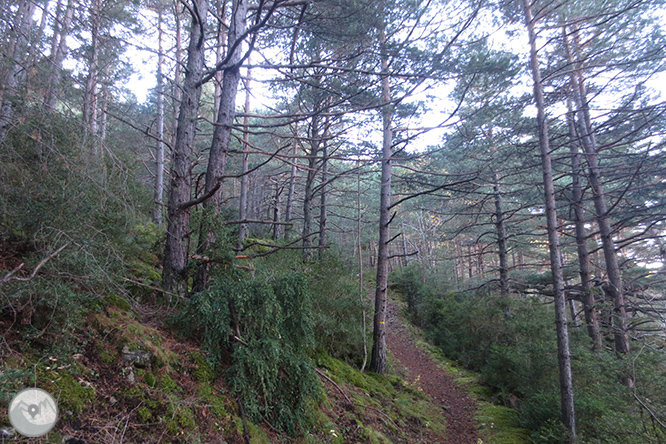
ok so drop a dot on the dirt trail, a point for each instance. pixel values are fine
(420, 368)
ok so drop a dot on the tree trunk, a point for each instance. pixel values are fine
(292, 183)
(242, 211)
(90, 91)
(308, 195)
(588, 141)
(500, 226)
(176, 92)
(158, 190)
(16, 72)
(219, 53)
(378, 359)
(176, 249)
(563, 350)
(323, 209)
(276, 210)
(587, 297)
(222, 134)
(58, 54)
(361, 288)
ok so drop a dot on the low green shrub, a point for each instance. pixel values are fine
(511, 342)
(266, 327)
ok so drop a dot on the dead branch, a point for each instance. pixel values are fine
(9, 276)
(322, 374)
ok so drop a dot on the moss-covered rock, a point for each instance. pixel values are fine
(203, 371)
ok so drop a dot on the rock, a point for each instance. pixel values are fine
(129, 375)
(139, 358)
(112, 400)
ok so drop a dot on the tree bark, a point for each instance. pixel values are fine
(500, 226)
(158, 190)
(323, 208)
(90, 91)
(563, 349)
(58, 54)
(219, 53)
(292, 182)
(17, 72)
(222, 134)
(378, 358)
(308, 195)
(587, 137)
(587, 297)
(177, 245)
(242, 211)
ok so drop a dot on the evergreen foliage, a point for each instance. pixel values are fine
(509, 341)
(266, 325)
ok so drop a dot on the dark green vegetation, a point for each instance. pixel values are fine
(185, 269)
(508, 341)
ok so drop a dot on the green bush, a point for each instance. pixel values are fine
(267, 326)
(511, 342)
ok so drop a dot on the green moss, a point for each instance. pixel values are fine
(257, 435)
(107, 356)
(203, 371)
(133, 392)
(340, 371)
(500, 425)
(70, 393)
(216, 403)
(376, 437)
(149, 378)
(114, 300)
(186, 419)
(167, 384)
(144, 414)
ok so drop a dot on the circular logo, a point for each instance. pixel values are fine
(33, 412)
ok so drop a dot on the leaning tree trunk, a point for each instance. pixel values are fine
(587, 297)
(378, 357)
(615, 287)
(563, 350)
(174, 275)
(226, 113)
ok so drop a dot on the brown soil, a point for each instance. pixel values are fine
(419, 368)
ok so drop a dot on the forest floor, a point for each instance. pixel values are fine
(416, 365)
(180, 398)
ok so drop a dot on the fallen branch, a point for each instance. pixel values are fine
(320, 373)
(168, 293)
(650, 412)
(9, 276)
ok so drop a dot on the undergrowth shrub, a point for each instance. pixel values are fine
(265, 326)
(338, 309)
(511, 342)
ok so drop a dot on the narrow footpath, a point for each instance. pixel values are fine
(420, 368)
